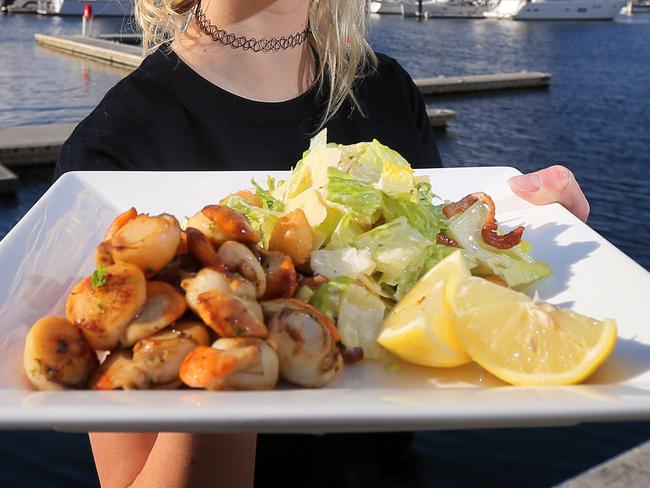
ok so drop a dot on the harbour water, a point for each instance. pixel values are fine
(595, 119)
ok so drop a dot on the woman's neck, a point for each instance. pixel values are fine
(269, 77)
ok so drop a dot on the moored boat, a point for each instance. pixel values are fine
(100, 8)
(557, 9)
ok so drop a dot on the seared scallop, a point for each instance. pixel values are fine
(305, 340)
(231, 316)
(57, 355)
(103, 304)
(232, 364)
(147, 242)
(163, 307)
(160, 355)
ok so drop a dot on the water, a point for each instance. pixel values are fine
(595, 118)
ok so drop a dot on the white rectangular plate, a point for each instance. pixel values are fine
(52, 247)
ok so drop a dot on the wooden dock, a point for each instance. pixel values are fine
(130, 56)
(92, 48)
(443, 85)
(32, 144)
(440, 117)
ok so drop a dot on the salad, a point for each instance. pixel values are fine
(378, 228)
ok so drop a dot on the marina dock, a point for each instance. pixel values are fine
(130, 56)
(40, 144)
(443, 85)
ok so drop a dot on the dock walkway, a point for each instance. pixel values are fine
(131, 56)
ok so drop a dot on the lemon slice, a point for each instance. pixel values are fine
(526, 342)
(421, 328)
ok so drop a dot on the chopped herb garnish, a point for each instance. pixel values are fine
(240, 331)
(148, 269)
(33, 371)
(212, 228)
(98, 277)
(100, 305)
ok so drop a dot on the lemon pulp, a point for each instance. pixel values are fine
(421, 328)
(527, 342)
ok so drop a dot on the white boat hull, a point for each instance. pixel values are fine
(100, 8)
(441, 9)
(390, 7)
(557, 9)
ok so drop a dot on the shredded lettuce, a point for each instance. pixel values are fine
(362, 198)
(395, 247)
(326, 297)
(360, 316)
(429, 257)
(514, 265)
(346, 230)
(268, 200)
(347, 261)
(261, 219)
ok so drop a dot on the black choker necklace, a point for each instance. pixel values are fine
(242, 42)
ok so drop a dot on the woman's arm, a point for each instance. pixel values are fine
(174, 459)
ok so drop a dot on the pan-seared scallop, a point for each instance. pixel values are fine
(103, 304)
(154, 361)
(305, 340)
(164, 306)
(281, 277)
(221, 224)
(231, 316)
(209, 279)
(160, 355)
(57, 355)
(118, 371)
(147, 242)
(232, 364)
(240, 259)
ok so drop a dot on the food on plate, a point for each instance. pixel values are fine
(57, 355)
(421, 328)
(529, 342)
(240, 363)
(305, 340)
(103, 304)
(351, 258)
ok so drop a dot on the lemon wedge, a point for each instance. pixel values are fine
(527, 342)
(421, 328)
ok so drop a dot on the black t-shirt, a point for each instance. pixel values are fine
(165, 116)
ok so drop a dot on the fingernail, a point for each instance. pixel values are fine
(528, 183)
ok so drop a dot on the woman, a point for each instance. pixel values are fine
(244, 85)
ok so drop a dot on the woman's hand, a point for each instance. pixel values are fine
(550, 185)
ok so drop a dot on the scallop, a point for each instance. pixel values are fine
(103, 305)
(163, 307)
(147, 242)
(57, 355)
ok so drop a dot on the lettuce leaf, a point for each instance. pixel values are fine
(514, 266)
(360, 317)
(395, 247)
(326, 297)
(359, 197)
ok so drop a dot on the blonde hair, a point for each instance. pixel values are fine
(337, 34)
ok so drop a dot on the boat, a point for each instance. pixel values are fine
(472, 9)
(387, 7)
(436, 8)
(638, 7)
(100, 8)
(20, 6)
(556, 9)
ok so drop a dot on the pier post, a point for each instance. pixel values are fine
(87, 21)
